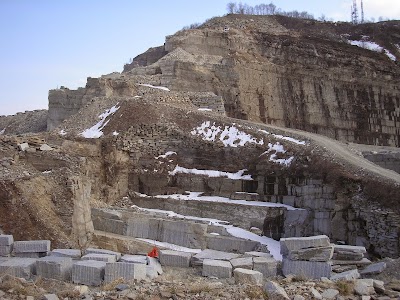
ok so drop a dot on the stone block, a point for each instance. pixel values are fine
(32, 246)
(312, 254)
(308, 269)
(54, 267)
(88, 272)
(348, 275)
(242, 262)
(297, 243)
(275, 291)
(364, 287)
(246, 276)
(18, 267)
(103, 251)
(154, 263)
(6, 240)
(198, 258)
(183, 233)
(137, 259)
(31, 254)
(99, 257)
(127, 271)
(268, 266)
(217, 268)
(231, 244)
(175, 258)
(151, 272)
(258, 254)
(330, 294)
(72, 253)
(5, 250)
(364, 262)
(347, 248)
(348, 255)
(374, 268)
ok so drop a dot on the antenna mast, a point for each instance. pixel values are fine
(354, 13)
(362, 12)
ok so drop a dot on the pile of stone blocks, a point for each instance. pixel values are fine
(19, 267)
(346, 258)
(6, 244)
(308, 257)
(31, 249)
(54, 267)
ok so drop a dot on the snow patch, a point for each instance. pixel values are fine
(46, 172)
(204, 109)
(373, 47)
(212, 173)
(115, 133)
(2, 131)
(286, 138)
(95, 131)
(278, 148)
(169, 153)
(155, 87)
(62, 132)
(170, 246)
(230, 136)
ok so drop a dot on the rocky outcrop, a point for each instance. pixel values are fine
(27, 122)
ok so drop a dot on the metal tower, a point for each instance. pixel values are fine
(354, 12)
(362, 12)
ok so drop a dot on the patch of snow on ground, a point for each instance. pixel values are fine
(62, 132)
(286, 138)
(230, 136)
(196, 196)
(170, 246)
(212, 173)
(278, 148)
(2, 132)
(373, 47)
(204, 109)
(95, 131)
(155, 87)
(169, 153)
(115, 133)
(46, 172)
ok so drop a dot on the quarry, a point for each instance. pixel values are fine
(258, 154)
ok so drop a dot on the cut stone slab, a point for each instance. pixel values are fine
(231, 244)
(127, 271)
(137, 259)
(50, 297)
(31, 254)
(330, 294)
(308, 269)
(23, 146)
(246, 276)
(348, 248)
(312, 254)
(5, 250)
(198, 258)
(242, 262)
(175, 258)
(364, 287)
(297, 243)
(45, 147)
(54, 267)
(18, 267)
(88, 272)
(154, 263)
(6, 240)
(348, 255)
(379, 286)
(103, 251)
(217, 268)
(100, 257)
(32, 246)
(348, 275)
(374, 268)
(72, 253)
(275, 291)
(266, 265)
(258, 254)
(364, 262)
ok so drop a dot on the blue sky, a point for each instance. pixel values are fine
(49, 43)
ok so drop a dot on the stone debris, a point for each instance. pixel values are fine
(374, 268)
(127, 271)
(246, 276)
(347, 275)
(330, 294)
(364, 287)
(217, 268)
(54, 267)
(276, 291)
(175, 258)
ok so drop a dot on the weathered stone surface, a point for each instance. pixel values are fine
(266, 265)
(299, 297)
(246, 276)
(151, 272)
(348, 248)
(308, 269)
(31, 246)
(100, 257)
(292, 244)
(275, 291)
(31, 254)
(154, 263)
(363, 262)
(127, 271)
(348, 255)
(330, 294)
(217, 268)
(379, 286)
(258, 254)
(53, 267)
(45, 147)
(175, 258)
(231, 244)
(348, 275)
(316, 294)
(103, 251)
(5, 250)
(137, 259)
(6, 240)
(50, 297)
(198, 258)
(364, 287)
(88, 272)
(23, 146)
(242, 262)
(18, 267)
(374, 268)
(73, 253)
(312, 254)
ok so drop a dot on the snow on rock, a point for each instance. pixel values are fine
(95, 131)
(373, 47)
(169, 153)
(170, 246)
(115, 133)
(2, 131)
(230, 136)
(286, 138)
(155, 87)
(278, 148)
(62, 132)
(204, 109)
(212, 173)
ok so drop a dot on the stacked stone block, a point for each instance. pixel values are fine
(19, 267)
(346, 258)
(175, 258)
(31, 249)
(54, 267)
(88, 272)
(127, 271)
(217, 268)
(72, 253)
(6, 244)
(308, 257)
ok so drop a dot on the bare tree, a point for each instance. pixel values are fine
(231, 7)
